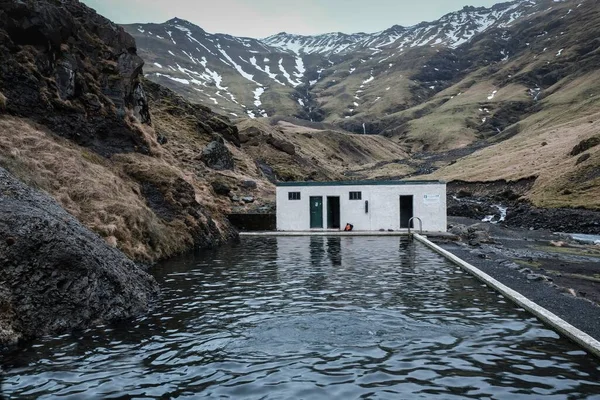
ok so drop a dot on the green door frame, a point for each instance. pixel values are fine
(316, 212)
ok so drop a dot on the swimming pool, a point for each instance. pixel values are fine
(312, 317)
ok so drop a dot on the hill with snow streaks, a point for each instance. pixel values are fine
(232, 74)
(401, 82)
(451, 30)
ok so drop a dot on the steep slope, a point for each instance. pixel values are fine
(325, 77)
(242, 77)
(75, 122)
(506, 77)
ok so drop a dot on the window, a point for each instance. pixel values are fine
(293, 195)
(355, 195)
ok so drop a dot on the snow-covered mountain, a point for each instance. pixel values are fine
(363, 82)
(451, 30)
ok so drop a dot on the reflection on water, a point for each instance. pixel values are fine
(312, 317)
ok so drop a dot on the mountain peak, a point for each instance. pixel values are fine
(179, 21)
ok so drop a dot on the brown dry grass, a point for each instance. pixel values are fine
(542, 152)
(2, 101)
(331, 153)
(99, 192)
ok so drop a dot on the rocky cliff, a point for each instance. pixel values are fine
(75, 123)
(74, 72)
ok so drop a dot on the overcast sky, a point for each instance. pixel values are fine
(261, 18)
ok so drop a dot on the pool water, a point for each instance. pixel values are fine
(312, 318)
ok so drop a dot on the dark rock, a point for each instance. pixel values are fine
(585, 145)
(81, 77)
(220, 188)
(582, 158)
(469, 209)
(249, 184)
(161, 139)
(535, 277)
(266, 170)
(558, 220)
(282, 145)
(251, 134)
(462, 193)
(157, 202)
(244, 138)
(217, 156)
(459, 230)
(55, 274)
(525, 271)
(478, 234)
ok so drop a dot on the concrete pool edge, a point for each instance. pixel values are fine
(340, 233)
(581, 338)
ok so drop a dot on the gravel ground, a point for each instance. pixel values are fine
(503, 260)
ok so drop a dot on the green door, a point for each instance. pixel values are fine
(316, 212)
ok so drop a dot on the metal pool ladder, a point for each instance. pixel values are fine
(420, 225)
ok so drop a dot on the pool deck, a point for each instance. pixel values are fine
(557, 323)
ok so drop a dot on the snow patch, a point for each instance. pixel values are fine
(257, 93)
(286, 74)
(236, 66)
(179, 80)
(171, 36)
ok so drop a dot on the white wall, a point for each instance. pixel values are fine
(384, 206)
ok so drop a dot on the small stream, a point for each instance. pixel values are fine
(314, 318)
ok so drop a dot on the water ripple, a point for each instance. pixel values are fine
(322, 317)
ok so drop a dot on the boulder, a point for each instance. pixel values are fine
(478, 234)
(585, 145)
(582, 158)
(55, 274)
(249, 184)
(217, 156)
(282, 145)
(220, 188)
(250, 134)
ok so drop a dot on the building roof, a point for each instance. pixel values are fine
(360, 183)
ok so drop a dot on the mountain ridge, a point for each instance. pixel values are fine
(293, 70)
(518, 70)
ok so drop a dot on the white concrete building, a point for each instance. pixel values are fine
(368, 205)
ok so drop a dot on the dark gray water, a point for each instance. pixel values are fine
(312, 317)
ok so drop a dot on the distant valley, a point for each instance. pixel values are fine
(482, 94)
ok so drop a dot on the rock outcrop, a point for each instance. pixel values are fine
(55, 274)
(282, 145)
(217, 156)
(67, 71)
(74, 71)
(206, 122)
